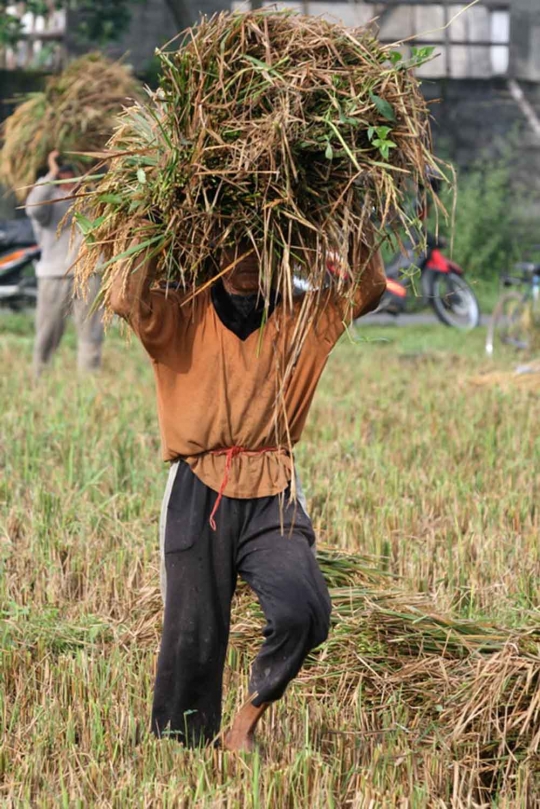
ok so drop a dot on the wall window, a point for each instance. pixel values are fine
(475, 45)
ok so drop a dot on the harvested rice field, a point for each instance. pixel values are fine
(423, 488)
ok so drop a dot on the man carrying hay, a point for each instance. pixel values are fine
(275, 144)
(47, 205)
(228, 510)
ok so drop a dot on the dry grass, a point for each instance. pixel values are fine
(285, 134)
(76, 112)
(427, 691)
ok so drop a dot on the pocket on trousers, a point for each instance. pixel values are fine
(297, 517)
(179, 535)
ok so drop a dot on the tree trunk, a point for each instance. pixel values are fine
(182, 12)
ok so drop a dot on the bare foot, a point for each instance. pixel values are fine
(237, 743)
(241, 737)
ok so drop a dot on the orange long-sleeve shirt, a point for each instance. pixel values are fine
(216, 391)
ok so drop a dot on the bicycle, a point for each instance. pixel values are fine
(517, 313)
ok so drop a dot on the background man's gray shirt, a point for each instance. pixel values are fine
(46, 206)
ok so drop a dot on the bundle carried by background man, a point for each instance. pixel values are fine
(75, 113)
(44, 139)
(277, 147)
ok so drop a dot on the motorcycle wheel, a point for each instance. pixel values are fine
(508, 325)
(453, 301)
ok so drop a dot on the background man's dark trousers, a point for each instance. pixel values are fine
(271, 549)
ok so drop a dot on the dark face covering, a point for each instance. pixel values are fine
(241, 314)
(244, 304)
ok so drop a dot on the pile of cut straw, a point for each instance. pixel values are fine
(76, 112)
(466, 691)
(525, 377)
(288, 134)
(469, 687)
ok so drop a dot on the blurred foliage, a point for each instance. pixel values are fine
(10, 26)
(101, 21)
(492, 224)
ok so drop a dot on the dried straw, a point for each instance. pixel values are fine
(466, 690)
(470, 687)
(75, 113)
(298, 137)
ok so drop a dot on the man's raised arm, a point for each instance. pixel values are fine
(40, 199)
(371, 286)
(339, 310)
(129, 294)
(151, 313)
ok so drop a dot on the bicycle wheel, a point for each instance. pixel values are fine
(509, 323)
(453, 301)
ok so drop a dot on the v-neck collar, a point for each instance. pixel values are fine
(242, 325)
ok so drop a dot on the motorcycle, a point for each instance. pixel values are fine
(442, 286)
(18, 255)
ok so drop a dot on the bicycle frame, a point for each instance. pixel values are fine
(524, 291)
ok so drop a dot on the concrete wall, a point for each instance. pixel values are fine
(479, 119)
(472, 117)
(152, 26)
(525, 39)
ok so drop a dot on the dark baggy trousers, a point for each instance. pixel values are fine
(271, 549)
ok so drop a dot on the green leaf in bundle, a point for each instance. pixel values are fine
(345, 119)
(384, 146)
(383, 131)
(348, 152)
(231, 134)
(395, 57)
(88, 226)
(113, 199)
(329, 153)
(421, 55)
(262, 66)
(133, 250)
(383, 107)
(85, 224)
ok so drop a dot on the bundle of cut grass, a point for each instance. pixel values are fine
(463, 689)
(76, 113)
(525, 378)
(469, 687)
(281, 133)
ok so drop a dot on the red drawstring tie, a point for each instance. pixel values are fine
(231, 453)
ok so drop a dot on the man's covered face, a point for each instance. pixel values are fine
(243, 278)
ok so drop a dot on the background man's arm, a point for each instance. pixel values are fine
(40, 199)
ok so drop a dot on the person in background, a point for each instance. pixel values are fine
(47, 205)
